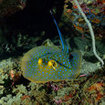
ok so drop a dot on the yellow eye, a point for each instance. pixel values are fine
(40, 61)
(53, 64)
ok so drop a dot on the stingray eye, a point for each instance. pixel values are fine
(40, 61)
(53, 64)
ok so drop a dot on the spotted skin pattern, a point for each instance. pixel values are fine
(40, 73)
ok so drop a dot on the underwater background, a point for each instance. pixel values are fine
(50, 55)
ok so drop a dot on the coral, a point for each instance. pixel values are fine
(91, 32)
(93, 11)
(10, 7)
(57, 101)
(96, 89)
(15, 76)
(20, 90)
(55, 87)
(75, 17)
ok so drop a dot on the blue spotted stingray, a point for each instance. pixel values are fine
(45, 63)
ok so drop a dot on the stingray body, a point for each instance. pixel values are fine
(45, 63)
(63, 69)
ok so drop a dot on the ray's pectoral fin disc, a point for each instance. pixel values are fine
(43, 64)
(76, 62)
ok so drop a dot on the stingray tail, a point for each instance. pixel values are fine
(64, 43)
